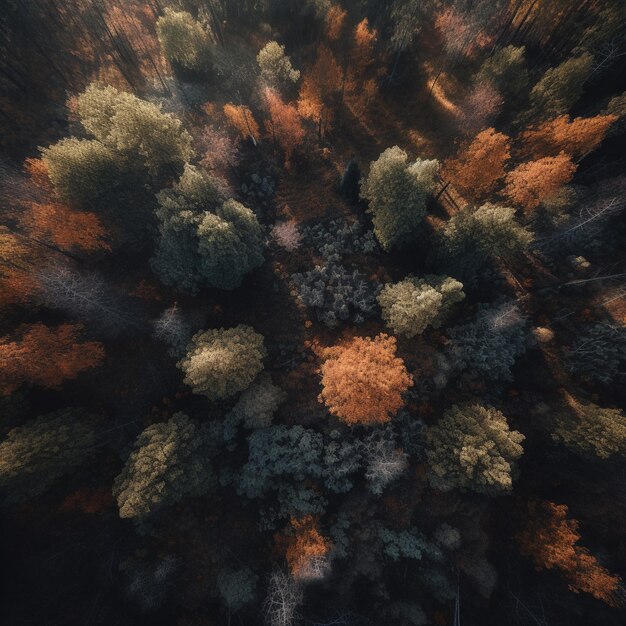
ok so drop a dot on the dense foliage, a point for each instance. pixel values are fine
(312, 312)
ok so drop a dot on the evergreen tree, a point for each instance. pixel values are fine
(170, 462)
(561, 86)
(36, 455)
(472, 448)
(204, 241)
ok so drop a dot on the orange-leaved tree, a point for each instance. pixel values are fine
(576, 137)
(306, 549)
(550, 540)
(532, 182)
(335, 22)
(364, 42)
(241, 119)
(320, 90)
(64, 228)
(363, 380)
(45, 356)
(284, 124)
(477, 168)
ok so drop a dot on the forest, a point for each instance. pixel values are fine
(312, 312)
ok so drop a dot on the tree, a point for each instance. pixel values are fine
(473, 236)
(62, 227)
(204, 241)
(363, 380)
(183, 40)
(40, 355)
(133, 128)
(597, 353)
(284, 124)
(561, 86)
(36, 455)
(550, 539)
(396, 191)
(489, 344)
(321, 89)
(506, 69)
(307, 550)
(237, 586)
(591, 430)
(230, 244)
(220, 363)
(284, 596)
(170, 462)
(480, 109)
(258, 403)
(283, 461)
(472, 448)
(577, 137)
(241, 119)
(275, 66)
(335, 22)
(363, 51)
(479, 167)
(80, 169)
(350, 180)
(413, 304)
(529, 184)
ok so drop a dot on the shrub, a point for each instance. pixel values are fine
(336, 294)
(490, 343)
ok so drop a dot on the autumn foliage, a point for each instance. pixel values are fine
(477, 169)
(64, 227)
(532, 182)
(45, 356)
(550, 539)
(321, 86)
(241, 119)
(363, 380)
(284, 124)
(576, 137)
(306, 549)
(335, 22)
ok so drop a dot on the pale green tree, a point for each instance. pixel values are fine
(396, 190)
(472, 448)
(592, 430)
(170, 461)
(134, 128)
(81, 169)
(220, 363)
(413, 304)
(276, 66)
(183, 39)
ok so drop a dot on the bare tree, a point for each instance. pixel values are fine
(284, 596)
